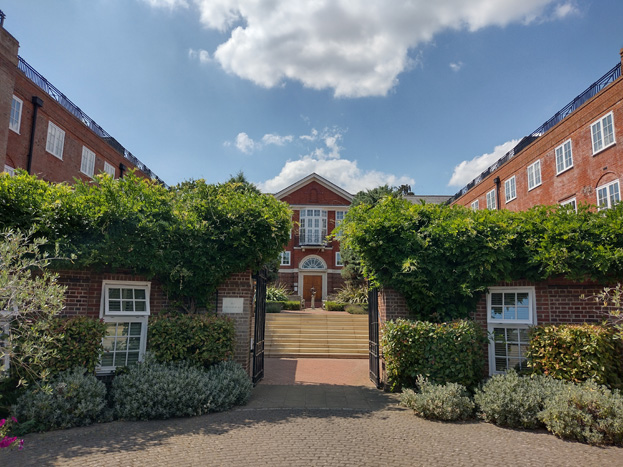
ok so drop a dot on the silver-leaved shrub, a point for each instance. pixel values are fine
(446, 402)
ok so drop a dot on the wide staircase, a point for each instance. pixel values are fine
(316, 335)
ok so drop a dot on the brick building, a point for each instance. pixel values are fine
(573, 158)
(45, 133)
(309, 260)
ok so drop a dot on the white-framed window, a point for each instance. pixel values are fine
(608, 195)
(564, 157)
(312, 263)
(125, 310)
(475, 205)
(285, 258)
(534, 175)
(491, 202)
(56, 140)
(338, 259)
(313, 230)
(109, 169)
(339, 217)
(570, 202)
(510, 189)
(10, 170)
(87, 166)
(16, 114)
(510, 313)
(602, 133)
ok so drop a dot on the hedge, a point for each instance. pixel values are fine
(334, 306)
(577, 352)
(202, 340)
(81, 345)
(448, 352)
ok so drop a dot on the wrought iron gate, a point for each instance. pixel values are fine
(260, 325)
(373, 335)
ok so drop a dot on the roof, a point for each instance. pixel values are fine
(317, 178)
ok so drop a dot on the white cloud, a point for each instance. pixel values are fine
(355, 47)
(456, 66)
(565, 9)
(466, 171)
(244, 143)
(202, 55)
(277, 140)
(170, 4)
(327, 162)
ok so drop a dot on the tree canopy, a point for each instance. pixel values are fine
(191, 237)
(442, 258)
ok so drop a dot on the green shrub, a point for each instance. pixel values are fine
(352, 293)
(154, 390)
(577, 352)
(356, 309)
(81, 345)
(516, 401)
(71, 399)
(449, 352)
(274, 307)
(292, 305)
(277, 293)
(199, 339)
(586, 412)
(334, 306)
(439, 402)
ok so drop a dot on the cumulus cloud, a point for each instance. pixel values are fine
(248, 145)
(326, 161)
(565, 9)
(456, 66)
(170, 4)
(466, 171)
(244, 143)
(357, 47)
(202, 55)
(277, 140)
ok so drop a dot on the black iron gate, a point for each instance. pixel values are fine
(260, 326)
(373, 335)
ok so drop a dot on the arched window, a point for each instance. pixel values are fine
(312, 263)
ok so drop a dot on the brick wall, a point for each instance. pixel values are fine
(588, 172)
(8, 68)
(84, 293)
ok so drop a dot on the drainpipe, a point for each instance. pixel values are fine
(496, 180)
(122, 169)
(36, 103)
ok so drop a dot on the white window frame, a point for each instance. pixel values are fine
(121, 317)
(109, 169)
(10, 170)
(87, 164)
(564, 157)
(510, 189)
(285, 258)
(612, 197)
(491, 200)
(570, 201)
(339, 217)
(313, 226)
(599, 139)
(338, 259)
(56, 140)
(534, 175)
(475, 205)
(15, 118)
(495, 323)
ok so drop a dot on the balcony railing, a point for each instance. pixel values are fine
(311, 238)
(34, 76)
(567, 110)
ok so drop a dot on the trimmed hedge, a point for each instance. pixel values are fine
(449, 352)
(577, 352)
(200, 339)
(357, 309)
(282, 305)
(274, 307)
(81, 345)
(334, 306)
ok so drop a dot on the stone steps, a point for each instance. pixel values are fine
(316, 335)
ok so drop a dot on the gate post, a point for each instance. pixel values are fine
(373, 336)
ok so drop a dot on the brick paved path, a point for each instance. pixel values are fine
(375, 433)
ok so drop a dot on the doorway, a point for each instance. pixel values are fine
(312, 281)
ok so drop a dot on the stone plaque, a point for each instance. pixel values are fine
(233, 305)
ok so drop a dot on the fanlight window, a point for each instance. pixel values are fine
(312, 263)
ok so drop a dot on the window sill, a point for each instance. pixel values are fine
(534, 187)
(604, 148)
(563, 171)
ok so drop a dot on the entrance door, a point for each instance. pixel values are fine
(314, 281)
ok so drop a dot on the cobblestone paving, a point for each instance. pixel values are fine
(375, 431)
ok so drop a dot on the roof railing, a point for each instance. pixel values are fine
(2, 16)
(34, 76)
(559, 116)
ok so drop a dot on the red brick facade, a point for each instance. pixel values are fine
(84, 295)
(315, 193)
(16, 146)
(589, 171)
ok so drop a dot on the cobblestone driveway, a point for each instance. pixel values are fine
(269, 431)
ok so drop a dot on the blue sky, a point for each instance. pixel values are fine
(424, 93)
